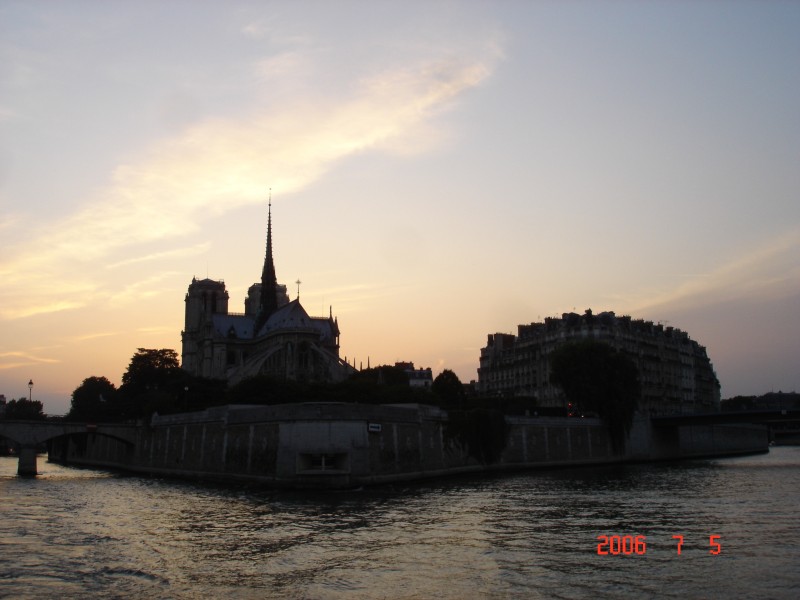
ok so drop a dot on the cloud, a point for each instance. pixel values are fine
(216, 165)
(135, 291)
(13, 360)
(266, 28)
(156, 330)
(177, 253)
(255, 29)
(94, 336)
(31, 294)
(767, 271)
(279, 66)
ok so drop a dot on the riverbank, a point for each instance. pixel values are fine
(338, 445)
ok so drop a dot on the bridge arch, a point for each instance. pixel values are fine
(30, 435)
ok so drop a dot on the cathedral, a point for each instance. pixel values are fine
(274, 337)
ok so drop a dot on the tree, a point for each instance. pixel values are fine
(154, 381)
(597, 378)
(24, 410)
(382, 375)
(449, 388)
(482, 432)
(94, 400)
(151, 369)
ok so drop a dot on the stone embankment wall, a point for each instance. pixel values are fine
(333, 445)
(649, 442)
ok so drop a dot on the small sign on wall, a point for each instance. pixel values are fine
(375, 428)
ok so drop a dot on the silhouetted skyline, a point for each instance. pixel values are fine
(439, 172)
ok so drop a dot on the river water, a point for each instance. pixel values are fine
(70, 533)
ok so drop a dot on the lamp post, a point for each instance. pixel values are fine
(30, 390)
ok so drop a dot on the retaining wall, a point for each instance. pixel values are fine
(320, 445)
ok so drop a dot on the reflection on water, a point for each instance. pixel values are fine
(533, 535)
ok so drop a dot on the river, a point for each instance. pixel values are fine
(71, 532)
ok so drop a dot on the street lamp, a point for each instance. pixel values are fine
(30, 389)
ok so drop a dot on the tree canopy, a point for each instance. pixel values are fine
(448, 387)
(24, 410)
(95, 399)
(382, 375)
(380, 385)
(597, 378)
(151, 369)
(153, 382)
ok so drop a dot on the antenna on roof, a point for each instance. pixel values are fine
(298, 282)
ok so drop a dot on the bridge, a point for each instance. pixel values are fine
(30, 435)
(783, 423)
(766, 417)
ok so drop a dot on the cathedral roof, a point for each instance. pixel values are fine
(239, 326)
(207, 283)
(288, 316)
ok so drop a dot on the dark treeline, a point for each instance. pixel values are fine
(770, 401)
(595, 380)
(155, 383)
(23, 410)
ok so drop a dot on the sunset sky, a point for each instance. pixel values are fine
(439, 171)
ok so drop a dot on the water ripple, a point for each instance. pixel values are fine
(532, 535)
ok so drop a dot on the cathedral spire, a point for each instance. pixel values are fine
(269, 281)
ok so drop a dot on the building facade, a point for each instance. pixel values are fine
(417, 378)
(274, 336)
(675, 373)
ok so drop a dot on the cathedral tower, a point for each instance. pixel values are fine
(204, 300)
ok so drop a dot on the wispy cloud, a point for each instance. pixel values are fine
(13, 360)
(217, 165)
(354, 298)
(156, 330)
(135, 291)
(255, 29)
(280, 65)
(769, 270)
(177, 253)
(35, 300)
(267, 28)
(93, 336)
